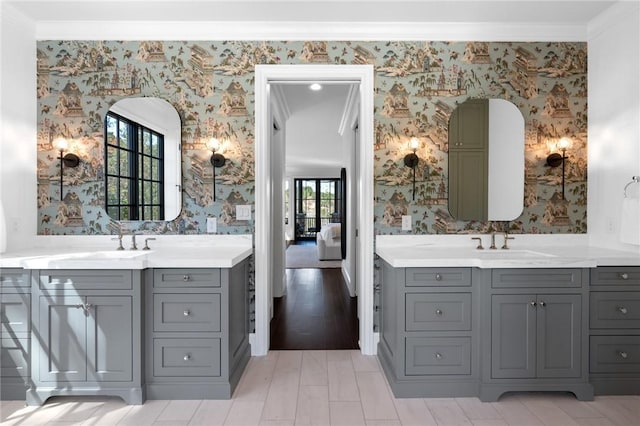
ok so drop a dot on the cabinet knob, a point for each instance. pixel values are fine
(439, 312)
(533, 303)
(438, 277)
(186, 278)
(186, 313)
(438, 355)
(543, 304)
(622, 310)
(624, 276)
(623, 354)
(187, 357)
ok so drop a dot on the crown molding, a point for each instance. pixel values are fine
(292, 31)
(279, 101)
(350, 112)
(612, 17)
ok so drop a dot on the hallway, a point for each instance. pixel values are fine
(316, 313)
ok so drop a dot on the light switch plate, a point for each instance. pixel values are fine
(243, 212)
(406, 223)
(212, 225)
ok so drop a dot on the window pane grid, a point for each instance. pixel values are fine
(134, 165)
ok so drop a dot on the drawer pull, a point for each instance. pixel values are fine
(622, 310)
(438, 277)
(439, 312)
(438, 355)
(543, 304)
(186, 278)
(533, 303)
(187, 357)
(186, 313)
(624, 276)
(623, 354)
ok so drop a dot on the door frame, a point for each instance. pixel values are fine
(264, 75)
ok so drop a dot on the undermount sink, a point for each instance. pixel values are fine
(513, 254)
(102, 259)
(110, 254)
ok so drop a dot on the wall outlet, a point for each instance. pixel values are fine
(243, 212)
(406, 222)
(212, 225)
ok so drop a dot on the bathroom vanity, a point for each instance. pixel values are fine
(458, 322)
(162, 324)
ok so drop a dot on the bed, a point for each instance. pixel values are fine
(329, 242)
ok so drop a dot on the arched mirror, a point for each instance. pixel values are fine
(486, 160)
(143, 171)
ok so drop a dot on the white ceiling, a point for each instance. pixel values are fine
(480, 11)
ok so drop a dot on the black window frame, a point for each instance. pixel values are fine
(139, 203)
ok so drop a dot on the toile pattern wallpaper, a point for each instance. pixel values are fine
(210, 83)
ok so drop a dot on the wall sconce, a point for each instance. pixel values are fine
(556, 159)
(69, 160)
(411, 160)
(217, 159)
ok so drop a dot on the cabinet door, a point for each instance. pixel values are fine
(109, 338)
(61, 339)
(558, 342)
(468, 185)
(469, 125)
(513, 336)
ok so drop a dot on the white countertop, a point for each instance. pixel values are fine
(218, 251)
(525, 252)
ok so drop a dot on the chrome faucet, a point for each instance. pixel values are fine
(479, 247)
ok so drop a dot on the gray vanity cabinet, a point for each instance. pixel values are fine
(428, 335)
(87, 329)
(535, 336)
(197, 334)
(15, 327)
(535, 332)
(85, 339)
(614, 342)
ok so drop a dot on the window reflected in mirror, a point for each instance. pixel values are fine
(142, 160)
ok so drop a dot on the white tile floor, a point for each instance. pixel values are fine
(327, 388)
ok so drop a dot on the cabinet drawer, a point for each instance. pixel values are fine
(180, 278)
(13, 357)
(13, 277)
(536, 278)
(438, 311)
(429, 277)
(14, 314)
(438, 356)
(616, 309)
(186, 357)
(187, 312)
(77, 279)
(615, 275)
(614, 354)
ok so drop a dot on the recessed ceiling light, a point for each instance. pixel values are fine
(315, 87)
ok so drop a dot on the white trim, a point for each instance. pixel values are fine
(281, 104)
(350, 112)
(291, 31)
(273, 73)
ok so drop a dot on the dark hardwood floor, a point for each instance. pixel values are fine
(316, 313)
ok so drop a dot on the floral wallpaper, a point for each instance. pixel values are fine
(211, 85)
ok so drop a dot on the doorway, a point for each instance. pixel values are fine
(362, 75)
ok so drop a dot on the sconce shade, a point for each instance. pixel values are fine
(218, 160)
(554, 160)
(411, 160)
(71, 160)
(213, 144)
